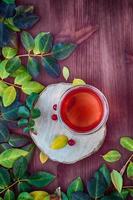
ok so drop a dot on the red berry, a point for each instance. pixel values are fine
(54, 117)
(55, 106)
(71, 142)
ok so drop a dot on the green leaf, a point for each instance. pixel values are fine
(80, 196)
(20, 167)
(124, 194)
(10, 24)
(24, 9)
(23, 111)
(11, 112)
(26, 129)
(32, 86)
(117, 196)
(127, 143)
(20, 70)
(22, 78)
(3, 86)
(13, 41)
(35, 113)
(31, 100)
(5, 34)
(9, 156)
(75, 186)
(112, 156)
(64, 196)
(22, 122)
(4, 178)
(62, 50)
(111, 197)
(31, 123)
(43, 43)
(18, 140)
(6, 11)
(9, 96)
(97, 185)
(46, 42)
(130, 170)
(4, 133)
(3, 73)
(27, 41)
(106, 173)
(13, 64)
(117, 180)
(4, 146)
(131, 192)
(66, 72)
(51, 66)
(25, 196)
(40, 179)
(30, 148)
(9, 195)
(33, 67)
(22, 187)
(25, 21)
(9, 52)
(9, 1)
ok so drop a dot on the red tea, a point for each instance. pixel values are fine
(81, 109)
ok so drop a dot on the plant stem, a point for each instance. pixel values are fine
(34, 55)
(10, 186)
(10, 84)
(125, 166)
(128, 187)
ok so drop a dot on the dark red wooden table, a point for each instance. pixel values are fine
(101, 61)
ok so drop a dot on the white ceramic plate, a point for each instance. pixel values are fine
(47, 129)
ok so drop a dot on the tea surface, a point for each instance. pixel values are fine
(81, 109)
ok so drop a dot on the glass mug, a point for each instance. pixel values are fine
(83, 109)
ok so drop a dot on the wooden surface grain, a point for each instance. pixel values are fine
(101, 60)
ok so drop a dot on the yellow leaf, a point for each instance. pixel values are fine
(60, 141)
(3, 86)
(39, 195)
(3, 73)
(9, 96)
(78, 82)
(43, 157)
(66, 72)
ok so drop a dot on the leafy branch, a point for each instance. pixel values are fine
(113, 156)
(22, 81)
(122, 171)
(41, 47)
(28, 113)
(10, 186)
(15, 159)
(14, 19)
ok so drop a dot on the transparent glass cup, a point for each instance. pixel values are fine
(104, 104)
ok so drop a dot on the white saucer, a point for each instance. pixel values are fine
(47, 129)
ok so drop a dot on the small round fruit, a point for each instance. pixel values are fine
(54, 117)
(71, 142)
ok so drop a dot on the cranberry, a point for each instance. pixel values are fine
(55, 106)
(54, 117)
(71, 142)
